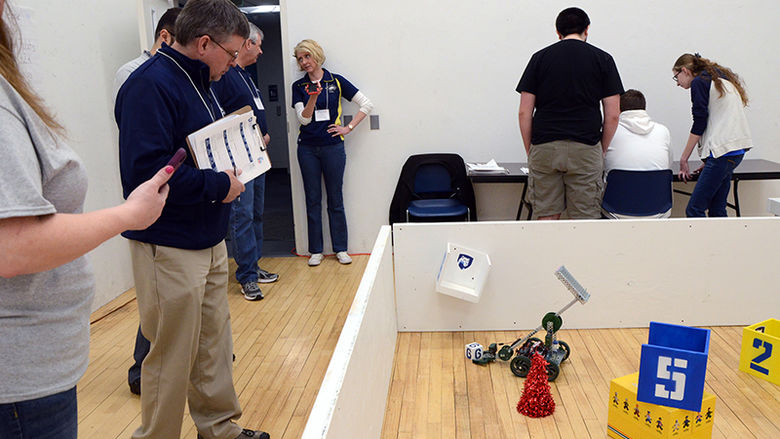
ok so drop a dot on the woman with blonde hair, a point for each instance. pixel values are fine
(317, 102)
(46, 285)
(720, 130)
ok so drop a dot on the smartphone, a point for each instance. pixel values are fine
(311, 88)
(177, 159)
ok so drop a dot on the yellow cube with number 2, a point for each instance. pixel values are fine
(760, 354)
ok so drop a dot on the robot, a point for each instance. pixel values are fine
(553, 350)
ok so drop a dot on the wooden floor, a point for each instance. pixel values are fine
(282, 344)
(437, 393)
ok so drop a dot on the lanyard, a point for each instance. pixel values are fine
(327, 97)
(221, 110)
(253, 90)
(193, 86)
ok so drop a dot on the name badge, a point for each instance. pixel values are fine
(322, 115)
(259, 104)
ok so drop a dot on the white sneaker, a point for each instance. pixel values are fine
(343, 258)
(315, 259)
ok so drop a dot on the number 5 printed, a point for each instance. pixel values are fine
(757, 343)
(664, 363)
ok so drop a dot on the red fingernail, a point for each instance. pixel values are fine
(169, 169)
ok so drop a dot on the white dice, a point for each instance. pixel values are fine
(474, 351)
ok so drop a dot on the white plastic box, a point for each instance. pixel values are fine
(463, 273)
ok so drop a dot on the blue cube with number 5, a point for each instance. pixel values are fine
(474, 351)
(673, 366)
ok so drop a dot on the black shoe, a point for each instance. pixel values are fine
(257, 434)
(265, 277)
(249, 433)
(251, 291)
(135, 386)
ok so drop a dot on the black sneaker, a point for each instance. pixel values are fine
(251, 291)
(257, 434)
(249, 433)
(135, 386)
(265, 277)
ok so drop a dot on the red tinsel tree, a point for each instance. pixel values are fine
(537, 401)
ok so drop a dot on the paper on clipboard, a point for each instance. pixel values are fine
(232, 142)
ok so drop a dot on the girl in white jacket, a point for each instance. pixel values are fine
(719, 128)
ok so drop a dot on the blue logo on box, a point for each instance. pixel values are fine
(673, 366)
(464, 261)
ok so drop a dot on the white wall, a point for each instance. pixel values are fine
(440, 81)
(78, 45)
(442, 78)
(699, 272)
(353, 393)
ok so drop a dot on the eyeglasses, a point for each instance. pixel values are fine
(233, 55)
(675, 77)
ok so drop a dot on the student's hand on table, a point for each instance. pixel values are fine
(684, 173)
(236, 187)
(144, 205)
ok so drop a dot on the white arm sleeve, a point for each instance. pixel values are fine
(365, 105)
(299, 113)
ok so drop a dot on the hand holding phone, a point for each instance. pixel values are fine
(177, 159)
(313, 88)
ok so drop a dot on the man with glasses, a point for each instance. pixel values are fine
(180, 261)
(245, 231)
(162, 34)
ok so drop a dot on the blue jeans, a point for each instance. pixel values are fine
(712, 187)
(328, 162)
(245, 230)
(50, 417)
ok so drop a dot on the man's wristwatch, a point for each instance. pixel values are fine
(350, 127)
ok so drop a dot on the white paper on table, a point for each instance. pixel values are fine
(490, 166)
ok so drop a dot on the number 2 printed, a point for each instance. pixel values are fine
(757, 343)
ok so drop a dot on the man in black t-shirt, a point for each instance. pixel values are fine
(564, 137)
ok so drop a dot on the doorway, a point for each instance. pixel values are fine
(268, 72)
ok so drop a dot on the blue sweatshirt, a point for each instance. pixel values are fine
(237, 89)
(162, 102)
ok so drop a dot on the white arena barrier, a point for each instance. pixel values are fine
(351, 401)
(684, 271)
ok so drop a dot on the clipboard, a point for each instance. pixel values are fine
(232, 142)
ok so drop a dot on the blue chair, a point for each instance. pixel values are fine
(434, 196)
(638, 193)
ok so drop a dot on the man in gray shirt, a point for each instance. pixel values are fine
(162, 34)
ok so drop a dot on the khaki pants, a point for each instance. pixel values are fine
(182, 301)
(566, 175)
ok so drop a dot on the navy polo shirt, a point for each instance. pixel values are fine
(161, 103)
(334, 87)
